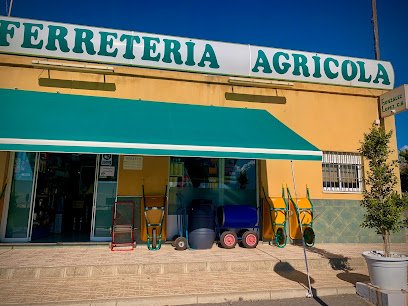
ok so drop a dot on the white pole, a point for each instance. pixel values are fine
(11, 5)
(309, 294)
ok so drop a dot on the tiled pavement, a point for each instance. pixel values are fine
(68, 255)
(93, 274)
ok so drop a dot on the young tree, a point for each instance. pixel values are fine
(404, 169)
(384, 206)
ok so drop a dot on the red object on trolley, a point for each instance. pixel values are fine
(123, 226)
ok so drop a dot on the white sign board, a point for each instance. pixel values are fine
(106, 171)
(394, 102)
(133, 162)
(82, 43)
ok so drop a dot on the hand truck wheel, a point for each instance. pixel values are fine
(250, 239)
(228, 239)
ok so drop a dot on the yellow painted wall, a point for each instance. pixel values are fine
(306, 173)
(154, 178)
(333, 118)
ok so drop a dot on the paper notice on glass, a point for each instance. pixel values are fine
(133, 162)
(106, 171)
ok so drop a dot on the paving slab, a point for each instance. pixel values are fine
(208, 287)
(94, 275)
(100, 255)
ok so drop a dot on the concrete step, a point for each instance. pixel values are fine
(170, 289)
(253, 266)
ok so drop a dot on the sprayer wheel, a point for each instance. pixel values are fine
(228, 239)
(250, 239)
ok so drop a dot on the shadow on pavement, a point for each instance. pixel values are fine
(317, 299)
(353, 278)
(336, 261)
(287, 271)
(340, 262)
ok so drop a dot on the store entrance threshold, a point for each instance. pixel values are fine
(24, 245)
(64, 238)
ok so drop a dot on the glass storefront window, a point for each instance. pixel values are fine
(106, 194)
(239, 182)
(223, 181)
(239, 174)
(20, 195)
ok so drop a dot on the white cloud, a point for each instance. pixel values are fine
(404, 148)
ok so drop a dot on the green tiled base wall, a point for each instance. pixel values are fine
(339, 221)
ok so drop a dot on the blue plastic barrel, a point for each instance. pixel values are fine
(237, 216)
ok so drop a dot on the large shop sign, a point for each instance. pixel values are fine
(57, 40)
(394, 101)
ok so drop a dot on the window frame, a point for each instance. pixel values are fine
(342, 162)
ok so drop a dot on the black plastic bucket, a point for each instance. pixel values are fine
(201, 239)
(201, 224)
(201, 215)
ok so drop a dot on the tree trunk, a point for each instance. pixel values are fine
(386, 239)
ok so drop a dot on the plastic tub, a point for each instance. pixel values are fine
(237, 216)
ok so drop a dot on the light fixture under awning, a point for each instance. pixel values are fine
(49, 122)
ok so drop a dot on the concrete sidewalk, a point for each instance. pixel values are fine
(94, 275)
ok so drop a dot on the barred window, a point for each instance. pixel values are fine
(342, 172)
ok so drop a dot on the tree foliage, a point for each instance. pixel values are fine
(384, 206)
(404, 169)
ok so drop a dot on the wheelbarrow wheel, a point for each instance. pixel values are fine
(309, 236)
(180, 243)
(154, 238)
(280, 237)
(228, 239)
(250, 239)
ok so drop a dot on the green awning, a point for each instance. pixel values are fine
(52, 122)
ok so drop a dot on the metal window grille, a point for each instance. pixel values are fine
(342, 172)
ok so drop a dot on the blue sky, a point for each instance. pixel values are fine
(323, 26)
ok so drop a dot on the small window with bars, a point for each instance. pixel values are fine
(342, 172)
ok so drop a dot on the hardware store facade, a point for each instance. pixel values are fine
(77, 136)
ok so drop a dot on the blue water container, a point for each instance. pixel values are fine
(237, 216)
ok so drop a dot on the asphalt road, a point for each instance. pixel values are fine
(334, 300)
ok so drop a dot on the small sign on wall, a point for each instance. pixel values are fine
(132, 162)
(394, 101)
(106, 171)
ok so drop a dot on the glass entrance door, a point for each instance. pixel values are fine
(60, 197)
(106, 193)
(64, 197)
(21, 197)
